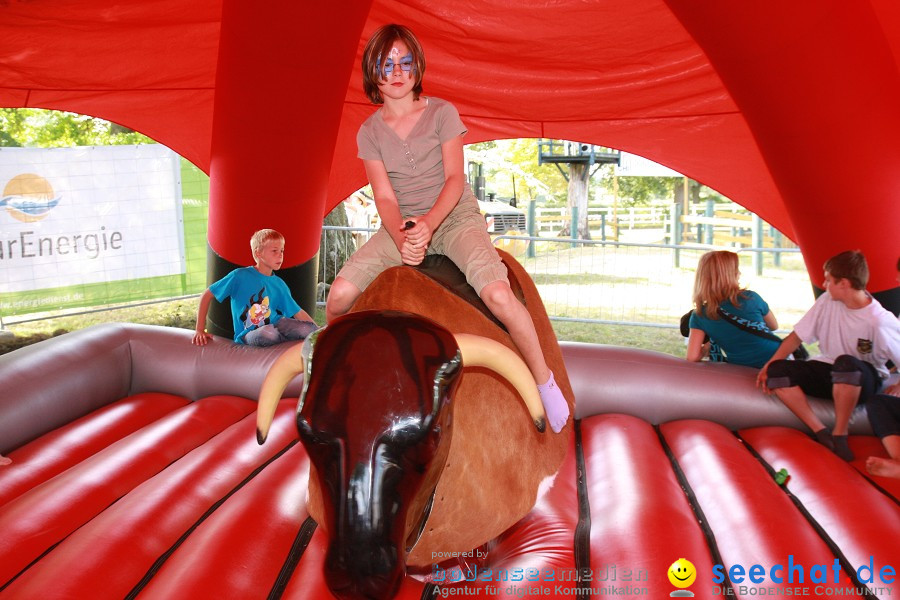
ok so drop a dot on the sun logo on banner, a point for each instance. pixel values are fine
(28, 197)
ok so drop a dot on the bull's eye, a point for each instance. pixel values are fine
(406, 431)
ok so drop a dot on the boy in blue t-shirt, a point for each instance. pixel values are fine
(262, 308)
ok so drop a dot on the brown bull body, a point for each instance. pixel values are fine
(496, 461)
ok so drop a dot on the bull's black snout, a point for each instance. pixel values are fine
(374, 571)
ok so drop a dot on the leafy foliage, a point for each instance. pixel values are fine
(335, 246)
(511, 170)
(641, 191)
(35, 127)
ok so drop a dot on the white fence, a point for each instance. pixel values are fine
(550, 220)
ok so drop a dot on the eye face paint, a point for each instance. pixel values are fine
(405, 63)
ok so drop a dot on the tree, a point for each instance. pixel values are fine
(41, 128)
(578, 197)
(693, 191)
(335, 247)
(640, 191)
(511, 170)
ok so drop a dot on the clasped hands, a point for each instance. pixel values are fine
(417, 233)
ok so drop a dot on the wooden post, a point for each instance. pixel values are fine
(676, 232)
(532, 226)
(573, 229)
(615, 215)
(778, 242)
(756, 240)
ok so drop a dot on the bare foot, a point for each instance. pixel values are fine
(885, 467)
(4, 460)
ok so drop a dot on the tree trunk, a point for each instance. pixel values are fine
(335, 247)
(578, 198)
(687, 192)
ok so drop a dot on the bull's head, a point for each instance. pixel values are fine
(375, 416)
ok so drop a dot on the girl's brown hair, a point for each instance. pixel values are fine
(379, 46)
(716, 281)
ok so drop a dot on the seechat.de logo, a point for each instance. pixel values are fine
(28, 197)
(682, 574)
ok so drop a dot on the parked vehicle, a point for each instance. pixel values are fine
(503, 219)
(500, 217)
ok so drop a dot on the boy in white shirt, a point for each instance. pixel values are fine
(856, 336)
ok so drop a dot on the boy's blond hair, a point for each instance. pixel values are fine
(262, 237)
(716, 280)
(850, 265)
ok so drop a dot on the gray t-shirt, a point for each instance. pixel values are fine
(414, 165)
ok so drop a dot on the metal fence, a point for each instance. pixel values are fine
(644, 284)
(605, 282)
(549, 219)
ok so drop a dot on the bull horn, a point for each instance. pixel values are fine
(478, 351)
(283, 370)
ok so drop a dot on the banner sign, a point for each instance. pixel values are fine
(88, 215)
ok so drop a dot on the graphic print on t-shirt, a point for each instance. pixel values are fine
(257, 312)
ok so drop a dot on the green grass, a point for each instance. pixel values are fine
(587, 279)
(176, 313)
(667, 341)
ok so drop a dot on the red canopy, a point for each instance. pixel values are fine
(789, 108)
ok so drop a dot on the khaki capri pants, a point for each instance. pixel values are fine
(462, 237)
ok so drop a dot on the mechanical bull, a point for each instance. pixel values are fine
(419, 449)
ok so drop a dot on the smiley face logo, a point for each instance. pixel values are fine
(682, 573)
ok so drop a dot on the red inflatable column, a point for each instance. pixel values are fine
(281, 80)
(818, 85)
